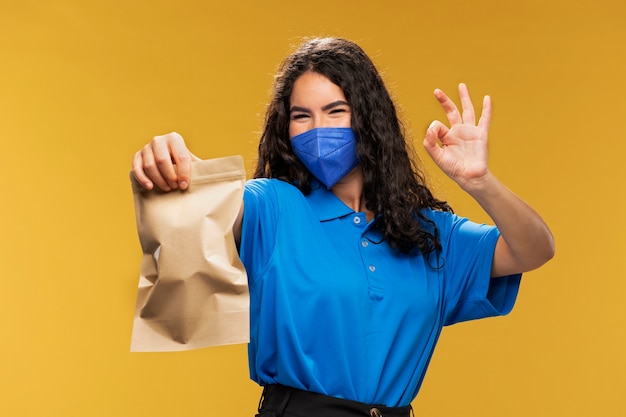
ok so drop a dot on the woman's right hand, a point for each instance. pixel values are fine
(165, 162)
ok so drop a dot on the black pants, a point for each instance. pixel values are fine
(281, 401)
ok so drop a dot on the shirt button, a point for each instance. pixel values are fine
(365, 243)
(372, 268)
(375, 412)
(357, 220)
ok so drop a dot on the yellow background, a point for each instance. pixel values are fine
(83, 84)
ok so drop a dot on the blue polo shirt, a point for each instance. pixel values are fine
(336, 310)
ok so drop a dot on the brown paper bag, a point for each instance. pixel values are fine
(193, 289)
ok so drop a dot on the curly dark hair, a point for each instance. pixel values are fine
(394, 184)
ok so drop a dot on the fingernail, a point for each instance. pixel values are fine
(183, 185)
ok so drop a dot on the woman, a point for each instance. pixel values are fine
(354, 267)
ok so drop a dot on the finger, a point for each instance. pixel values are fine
(182, 158)
(432, 141)
(485, 116)
(163, 148)
(469, 116)
(138, 172)
(151, 168)
(435, 135)
(452, 113)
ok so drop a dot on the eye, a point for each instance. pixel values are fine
(339, 112)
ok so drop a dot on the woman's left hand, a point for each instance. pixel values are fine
(461, 149)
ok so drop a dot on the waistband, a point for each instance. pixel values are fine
(281, 401)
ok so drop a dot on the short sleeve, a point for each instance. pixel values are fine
(469, 291)
(260, 217)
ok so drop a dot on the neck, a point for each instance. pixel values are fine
(350, 191)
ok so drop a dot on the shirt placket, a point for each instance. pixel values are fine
(368, 251)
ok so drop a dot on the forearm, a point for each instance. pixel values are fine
(526, 241)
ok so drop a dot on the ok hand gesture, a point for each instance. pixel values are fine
(461, 149)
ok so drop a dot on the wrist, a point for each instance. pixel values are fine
(479, 184)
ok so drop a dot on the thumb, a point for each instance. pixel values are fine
(434, 133)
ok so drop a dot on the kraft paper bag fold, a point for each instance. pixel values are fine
(193, 289)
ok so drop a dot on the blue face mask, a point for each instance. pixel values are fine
(329, 153)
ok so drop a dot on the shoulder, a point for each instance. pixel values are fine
(260, 186)
(452, 226)
(443, 221)
(264, 193)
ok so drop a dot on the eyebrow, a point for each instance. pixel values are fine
(326, 107)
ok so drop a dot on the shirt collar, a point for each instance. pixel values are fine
(326, 205)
